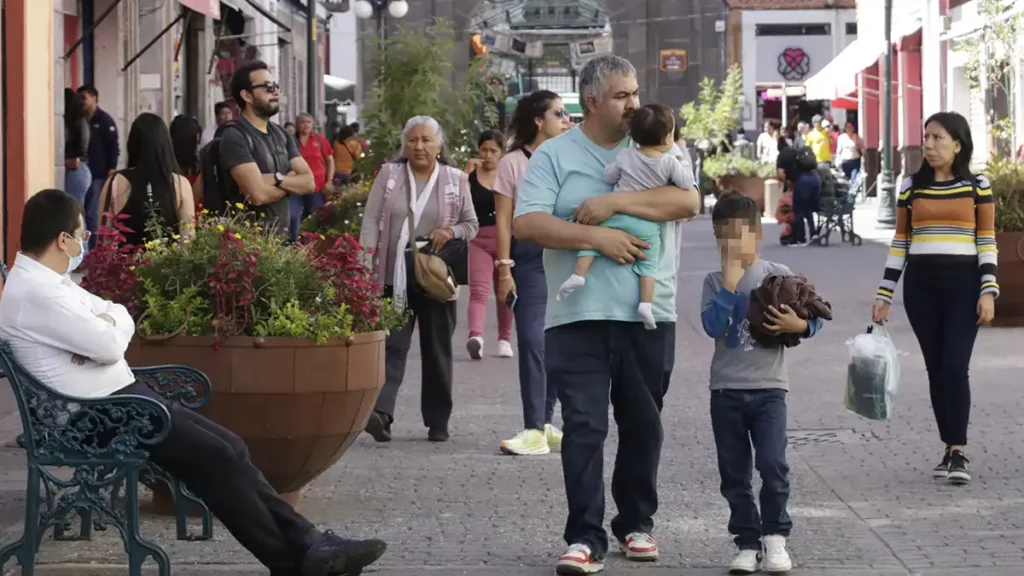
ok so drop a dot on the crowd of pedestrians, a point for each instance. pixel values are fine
(574, 229)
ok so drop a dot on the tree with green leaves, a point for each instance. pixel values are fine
(414, 79)
(991, 55)
(717, 109)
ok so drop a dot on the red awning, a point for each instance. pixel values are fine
(209, 8)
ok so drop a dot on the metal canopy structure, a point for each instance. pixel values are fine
(538, 15)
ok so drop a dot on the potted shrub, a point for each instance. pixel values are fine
(292, 341)
(1007, 179)
(746, 176)
(341, 214)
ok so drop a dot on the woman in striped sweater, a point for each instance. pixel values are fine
(945, 238)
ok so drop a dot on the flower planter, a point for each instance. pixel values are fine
(750, 186)
(1010, 304)
(297, 405)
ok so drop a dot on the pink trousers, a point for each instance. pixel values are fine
(482, 276)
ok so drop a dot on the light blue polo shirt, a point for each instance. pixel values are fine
(564, 172)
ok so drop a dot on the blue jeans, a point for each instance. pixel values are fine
(850, 168)
(300, 207)
(590, 364)
(532, 291)
(806, 194)
(739, 417)
(77, 182)
(92, 206)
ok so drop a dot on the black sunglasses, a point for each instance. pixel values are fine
(268, 86)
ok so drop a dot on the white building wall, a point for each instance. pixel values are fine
(761, 53)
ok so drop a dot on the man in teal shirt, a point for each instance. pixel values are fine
(596, 346)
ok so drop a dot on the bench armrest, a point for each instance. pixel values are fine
(182, 384)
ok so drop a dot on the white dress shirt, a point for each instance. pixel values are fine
(48, 320)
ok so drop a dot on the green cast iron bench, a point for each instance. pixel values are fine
(103, 441)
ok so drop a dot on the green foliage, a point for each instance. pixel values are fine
(1007, 179)
(186, 311)
(416, 78)
(720, 165)
(990, 55)
(717, 108)
(292, 321)
(342, 213)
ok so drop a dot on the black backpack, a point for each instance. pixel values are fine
(805, 159)
(218, 194)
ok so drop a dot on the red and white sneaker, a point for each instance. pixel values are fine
(640, 547)
(577, 559)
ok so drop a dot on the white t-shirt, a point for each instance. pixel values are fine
(846, 147)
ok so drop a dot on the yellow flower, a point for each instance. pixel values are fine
(205, 211)
(220, 227)
(237, 235)
(131, 267)
(176, 236)
(239, 205)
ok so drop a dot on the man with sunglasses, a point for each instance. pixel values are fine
(263, 160)
(74, 342)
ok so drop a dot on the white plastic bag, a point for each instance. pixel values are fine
(873, 374)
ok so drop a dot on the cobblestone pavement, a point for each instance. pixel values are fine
(863, 500)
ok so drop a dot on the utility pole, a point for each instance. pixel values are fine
(886, 186)
(311, 55)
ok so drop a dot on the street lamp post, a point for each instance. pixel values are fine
(886, 185)
(376, 8)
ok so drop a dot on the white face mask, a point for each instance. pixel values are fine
(75, 261)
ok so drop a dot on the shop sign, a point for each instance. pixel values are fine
(673, 60)
(794, 64)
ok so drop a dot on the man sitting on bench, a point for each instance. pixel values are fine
(74, 342)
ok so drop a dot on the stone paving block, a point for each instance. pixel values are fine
(863, 500)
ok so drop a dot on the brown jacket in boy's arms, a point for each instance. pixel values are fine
(776, 290)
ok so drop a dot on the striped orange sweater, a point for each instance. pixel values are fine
(949, 222)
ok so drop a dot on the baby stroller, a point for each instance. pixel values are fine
(836, 209)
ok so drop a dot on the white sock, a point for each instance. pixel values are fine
(575, 281)
(646, 315)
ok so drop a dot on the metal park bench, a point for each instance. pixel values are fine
(103, 442)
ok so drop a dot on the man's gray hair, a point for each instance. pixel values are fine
(422, 121)
(302, 115)
(594, 73)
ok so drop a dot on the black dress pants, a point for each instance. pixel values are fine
(214, 464)
(437, 325)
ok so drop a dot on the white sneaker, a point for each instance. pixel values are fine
(639, 547)
(475, 347)
(776, 559)
(746, 562)
(526, 443)
(505, 349)
(577, 559)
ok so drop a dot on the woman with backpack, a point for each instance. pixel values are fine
(945, 240)
(150, 187)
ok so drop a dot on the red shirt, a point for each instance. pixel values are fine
(314, 152)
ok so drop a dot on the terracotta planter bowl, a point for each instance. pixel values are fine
(1010, 304)
(297, 405)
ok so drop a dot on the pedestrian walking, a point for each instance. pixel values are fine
(483, 271)
(104, 154)
(538, 117)
(421, 191)
(77, 176)
(945, 239)
(597, 347)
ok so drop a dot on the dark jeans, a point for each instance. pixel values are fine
(739, 417)
(92, 206)
(850, 168)
(437, 325)
(300, 206)
(590, 363)
(531, 288)
(806, 191)
(942, 306)
(214, 463)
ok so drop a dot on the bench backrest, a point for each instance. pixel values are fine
(61, 430)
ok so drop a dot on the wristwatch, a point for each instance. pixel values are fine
(278, 179)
